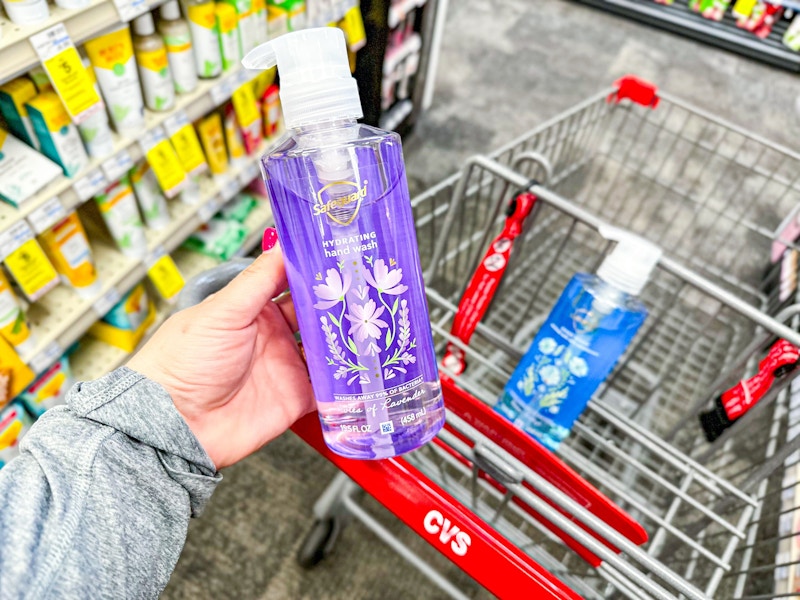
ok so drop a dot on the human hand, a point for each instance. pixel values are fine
(231, 363)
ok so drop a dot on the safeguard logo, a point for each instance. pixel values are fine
(340, 200)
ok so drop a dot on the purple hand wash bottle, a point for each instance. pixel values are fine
(341, 206)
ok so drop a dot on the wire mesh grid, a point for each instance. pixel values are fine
(712, 196)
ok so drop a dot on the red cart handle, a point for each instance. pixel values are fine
(444, 522)
(484, 283)
(636, 90)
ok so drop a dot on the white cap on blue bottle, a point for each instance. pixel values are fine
(316, 84)
(630, 263)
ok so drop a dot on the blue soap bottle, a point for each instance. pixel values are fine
(589, 328)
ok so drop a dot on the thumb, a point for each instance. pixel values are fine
(246, 296)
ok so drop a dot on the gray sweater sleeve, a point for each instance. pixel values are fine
(98, 503)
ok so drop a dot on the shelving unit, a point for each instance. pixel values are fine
(16, 53)
(679, 18)
(95, 358)
(377, 65)
(62, 317)
(209, 95)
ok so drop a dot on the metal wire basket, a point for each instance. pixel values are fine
(712, 196)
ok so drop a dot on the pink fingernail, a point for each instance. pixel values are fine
(270, 239)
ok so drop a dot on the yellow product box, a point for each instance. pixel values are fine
(15, 375)
(58, 137)
(13, 96)
(126, 323)
(14, 424)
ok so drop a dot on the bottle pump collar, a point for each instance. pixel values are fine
(630, 263)
(316, 84)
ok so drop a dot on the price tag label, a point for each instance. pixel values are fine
(116, 166)
(94, 183)
(244, 105)
(44, 359)
(47, 215)
(164, 161)
(130, 9)
(13, 237)
(29, 265)
(67, 74)
(106, 302)
(187, 146)
(164, 274)
(221, 92)
(208, 210)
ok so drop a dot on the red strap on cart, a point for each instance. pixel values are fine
(484, 283)
(740, 398)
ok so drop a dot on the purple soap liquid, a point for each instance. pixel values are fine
(341, 206)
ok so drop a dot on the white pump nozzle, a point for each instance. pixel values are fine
(630, 263)
(316, 84)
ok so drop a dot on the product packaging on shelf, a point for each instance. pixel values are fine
(277, 21)
(791, 38)
(23, 171)
(271, 110)
(27, 12)
(68, 248)
(248, 117)
(49, 390)
(126, 323)
(118, 208)
(114, 65)
(260, 10)
(213, 140)
(94, 129)
(233, 137)
(58, 137)
(239, 208)
(248, 28)
(13, 96)
(14, 424)
(13, 324)
(15, 375)
(31, 269)
(294, 13)
(205, 37)
(589, 328)
(229, 36)
(153, 64)
(352, 261)
(148, 193)
(178, 41)
(220, 238)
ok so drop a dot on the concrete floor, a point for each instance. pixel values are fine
(502, 72)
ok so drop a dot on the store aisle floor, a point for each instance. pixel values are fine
(501, 73)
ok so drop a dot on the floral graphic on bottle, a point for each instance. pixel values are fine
(369, 324)
(547, 380)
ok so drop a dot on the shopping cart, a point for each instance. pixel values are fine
(637, 503)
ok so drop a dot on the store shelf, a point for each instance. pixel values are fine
(95, 358)
(678, 18)
(208, 95)
(82, 23)
(61, 316)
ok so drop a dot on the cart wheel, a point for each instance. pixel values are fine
(318, 543)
